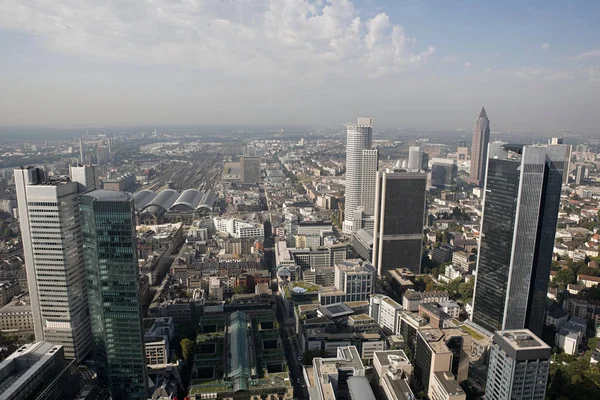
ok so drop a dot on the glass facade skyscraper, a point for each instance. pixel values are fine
(112, 272)
(520, 211)
(399, 219)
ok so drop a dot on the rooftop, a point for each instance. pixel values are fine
(359, 388)
(388, 356)
(108, 195)
(522, 344)
(448, 382)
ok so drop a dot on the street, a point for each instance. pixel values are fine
(292, 352)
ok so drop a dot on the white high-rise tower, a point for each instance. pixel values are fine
(415, 159)
(361, 170)
(52, 245)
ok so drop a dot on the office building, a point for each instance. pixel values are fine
(560, 140)
(479, 148)
(52, 246)
(519, 365)
(86, 177)
(440, 350)
(362, 243)
(112, 273)
(425, 162)
(520, 211)
(250, 169)
(361, 166)
(38, 371)
(462, 153)
(442, 254)
(445, 387)
(330, 376)
(580, 174)
(385, 311)
(370, 162)
(399, 220)
(444, 173)
(415, 159)
(355, 278)
(102, 155)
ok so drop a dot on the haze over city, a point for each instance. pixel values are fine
(409, 64)
(299, 200)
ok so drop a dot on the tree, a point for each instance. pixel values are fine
(466, 290)
(431, 286)
(188, 349)
(565, 276)
(454, 286)
(240, 289)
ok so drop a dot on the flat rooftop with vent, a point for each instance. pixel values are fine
(30, 369)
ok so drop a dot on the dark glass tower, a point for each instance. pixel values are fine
(399, 220)
(520, 211)
(112, 272)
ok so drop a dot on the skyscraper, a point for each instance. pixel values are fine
(444, 173)
(519, 365)
(52, 245)
(111, 270)
(520, 211)
(415, 159)
(479, 148)
(370, 162)
(399, 220)
(86, 177)
(81, 161)
(250, 168)
(361, 166)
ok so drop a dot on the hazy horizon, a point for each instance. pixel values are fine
(414, 65)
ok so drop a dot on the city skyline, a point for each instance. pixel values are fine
(294, 62)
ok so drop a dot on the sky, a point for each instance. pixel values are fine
(409, 64)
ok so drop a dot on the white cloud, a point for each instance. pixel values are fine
(488, 70)
(545, 46)
(242, 37)
(468, 64)
(588, 54)
(541, 73)
(450, 59)
(593, 73)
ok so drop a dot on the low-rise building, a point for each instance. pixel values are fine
(37, 367)
(8, 290)
(588, 281)
(583, 308)
(434, 313)
(556, 316)
(157, 338)
(16, 317)
(464, 261)
(445, 387)
(451, 308)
